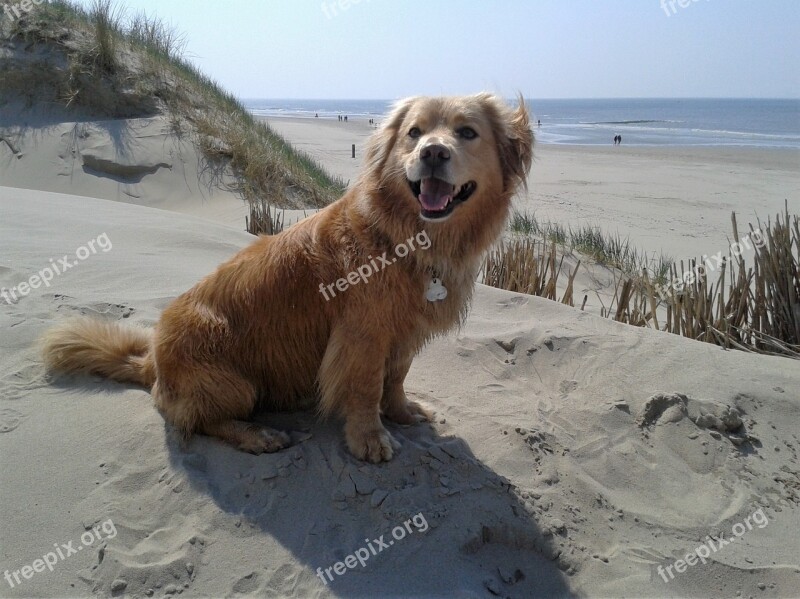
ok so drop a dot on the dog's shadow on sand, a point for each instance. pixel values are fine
(433, 522)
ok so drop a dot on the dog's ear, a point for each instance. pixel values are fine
(514, 138)
(380, 144)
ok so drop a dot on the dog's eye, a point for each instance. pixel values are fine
(414, 132)
(467, 133)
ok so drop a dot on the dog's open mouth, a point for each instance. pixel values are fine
(438, 198)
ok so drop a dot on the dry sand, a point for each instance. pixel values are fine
(672, 200)
(571, 455)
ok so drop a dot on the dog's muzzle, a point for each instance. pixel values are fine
(438, 198)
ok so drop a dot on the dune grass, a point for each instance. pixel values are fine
(751, 307)
(106, 18)
(528, 265)
(602, 248)
(264, 218)
(108, 64)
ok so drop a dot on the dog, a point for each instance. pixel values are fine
(294, 315)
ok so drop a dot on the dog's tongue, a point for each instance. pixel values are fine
(435, 194)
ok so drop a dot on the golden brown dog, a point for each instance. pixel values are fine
(337, 306)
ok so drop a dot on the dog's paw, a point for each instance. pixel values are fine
(264, 440)
(409, 413)
(374, 446)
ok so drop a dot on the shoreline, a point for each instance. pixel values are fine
(362, 120)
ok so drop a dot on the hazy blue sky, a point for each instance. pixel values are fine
(544, 48)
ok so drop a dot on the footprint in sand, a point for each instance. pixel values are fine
(706, 414)
(10, 420)
(103, 309)
(662, 408)
(25, 379)
(567, 387)
(246, 584)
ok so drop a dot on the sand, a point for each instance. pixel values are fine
(570, 455)
(675, 201)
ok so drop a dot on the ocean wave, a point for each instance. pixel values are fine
(679, 131)
(786, 136)
(636, 122)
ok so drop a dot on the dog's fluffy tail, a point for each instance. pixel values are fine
(86, 345)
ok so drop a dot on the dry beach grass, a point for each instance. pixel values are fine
(752, 307)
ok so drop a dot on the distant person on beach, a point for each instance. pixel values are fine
(345, 118)
(539, 123)
(619, 138)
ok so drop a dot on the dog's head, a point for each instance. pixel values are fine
(459, 157)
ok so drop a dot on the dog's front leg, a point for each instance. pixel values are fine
(351, 382)
(396, 406)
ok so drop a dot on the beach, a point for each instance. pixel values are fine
(672, 203)
(671, 200)
(570, 455)
(567, 453)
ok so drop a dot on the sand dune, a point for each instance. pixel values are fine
(571, 455)
(138, 161)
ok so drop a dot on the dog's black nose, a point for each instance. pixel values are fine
(434, 155)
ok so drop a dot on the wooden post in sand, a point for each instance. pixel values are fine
(354, 150)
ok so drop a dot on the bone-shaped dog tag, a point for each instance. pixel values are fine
(436, 292)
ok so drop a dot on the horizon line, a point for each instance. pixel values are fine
(549, 98)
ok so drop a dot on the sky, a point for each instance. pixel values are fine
(386, 49)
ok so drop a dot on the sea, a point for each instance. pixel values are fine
(763, 123)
